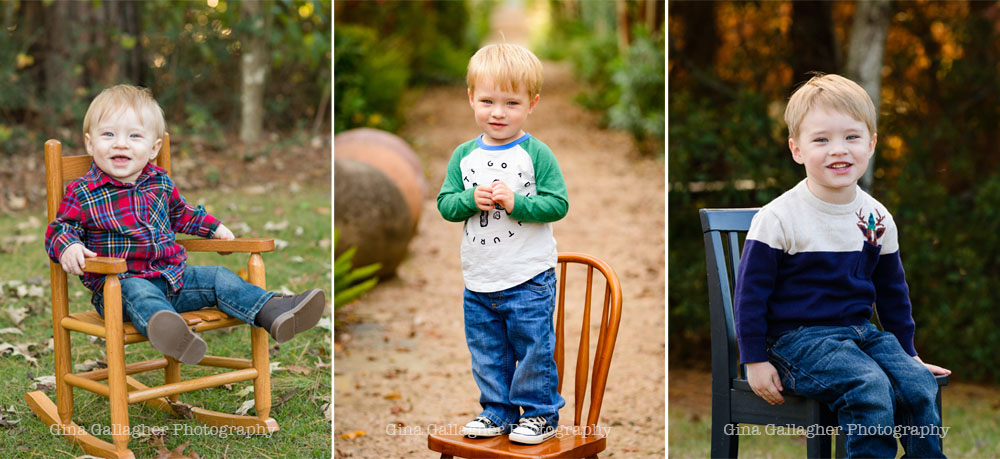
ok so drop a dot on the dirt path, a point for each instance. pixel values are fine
(401, 364)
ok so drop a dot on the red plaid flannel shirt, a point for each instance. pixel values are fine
(136, 222)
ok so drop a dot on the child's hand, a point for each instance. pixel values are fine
(223, 233)
(73, 259)
(503, 195)
(484, 197)
(934, 369)
(764, 381)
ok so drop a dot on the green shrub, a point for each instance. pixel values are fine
(369, 81)
(350, 283)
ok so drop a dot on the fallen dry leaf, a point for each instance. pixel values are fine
(11, 330)
(176, 453)
(44, 383)
(90, 364)
(298, 369)
(353, 435)
(394, 395)
(245, 407)
(17, 315)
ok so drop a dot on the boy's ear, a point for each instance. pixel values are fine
(871, 148)
(156, 149)
(472, 103)
(88, 144)
(796, 152)
(531, 106)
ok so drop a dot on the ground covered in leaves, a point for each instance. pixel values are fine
(401, 363)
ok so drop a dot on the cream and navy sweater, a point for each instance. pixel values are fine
(807, 262)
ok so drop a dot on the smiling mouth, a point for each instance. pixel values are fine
(118, 159)
(839, 166)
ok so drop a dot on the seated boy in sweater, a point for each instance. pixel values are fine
(815, 262)
(127, 207)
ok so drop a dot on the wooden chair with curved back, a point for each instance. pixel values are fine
(578, 440)
(121, 389)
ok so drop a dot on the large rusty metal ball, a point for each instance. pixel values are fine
(370, 214)
(390, 154)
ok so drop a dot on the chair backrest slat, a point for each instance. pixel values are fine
(608, 333)
(583, 355)
(723, 230)
(560, 354)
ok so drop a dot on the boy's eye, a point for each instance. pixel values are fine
(853, 137)
(512, 102)
(487, 101)
(819, 139)
(135, 136)
(107, 134)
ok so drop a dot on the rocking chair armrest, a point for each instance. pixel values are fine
(105, 265)
(232, 245)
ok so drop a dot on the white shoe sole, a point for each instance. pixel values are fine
(481, 433)
(531, 439)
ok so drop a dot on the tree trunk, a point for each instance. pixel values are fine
(811, 34)
(62, 53)
(700, 39)
(253, 70)
(624, 26)
(864, 57)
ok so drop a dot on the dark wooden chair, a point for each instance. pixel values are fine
(580, 440)
(733, 402)
(122, 389)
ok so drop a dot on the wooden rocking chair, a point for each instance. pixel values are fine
(580, 440)
(121, 389)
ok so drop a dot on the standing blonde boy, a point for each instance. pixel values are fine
(127, 207)
(506, 186)
(815, 262)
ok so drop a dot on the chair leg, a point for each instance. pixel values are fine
(172, 374)
(446, 456)
(841, 447)
(115, 350)
(723, 444)
(261, 362)
(818, 446)
(258, 343)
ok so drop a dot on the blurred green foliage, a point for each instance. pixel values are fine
(350, 283)
(936, 167)
(627, 87)
(189, 56)
(384, 48)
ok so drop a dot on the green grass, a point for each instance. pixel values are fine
(970, 411)
(300, 387)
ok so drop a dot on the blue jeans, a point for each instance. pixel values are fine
(512, 342)
(878, 391)
(203, 286)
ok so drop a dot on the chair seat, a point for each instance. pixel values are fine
(92, 324)
(564, 445)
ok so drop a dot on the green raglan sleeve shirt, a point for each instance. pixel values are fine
(456, 203)
(551, 203)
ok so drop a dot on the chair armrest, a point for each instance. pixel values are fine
(232, 245)
(104, 265)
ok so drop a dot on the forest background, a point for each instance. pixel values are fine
(933, 69)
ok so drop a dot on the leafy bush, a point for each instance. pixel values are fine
(369, 81)
(640, 81)
(350, 283)
(381, 51)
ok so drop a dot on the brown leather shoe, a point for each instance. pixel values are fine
(286, 316)
(168, 333)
